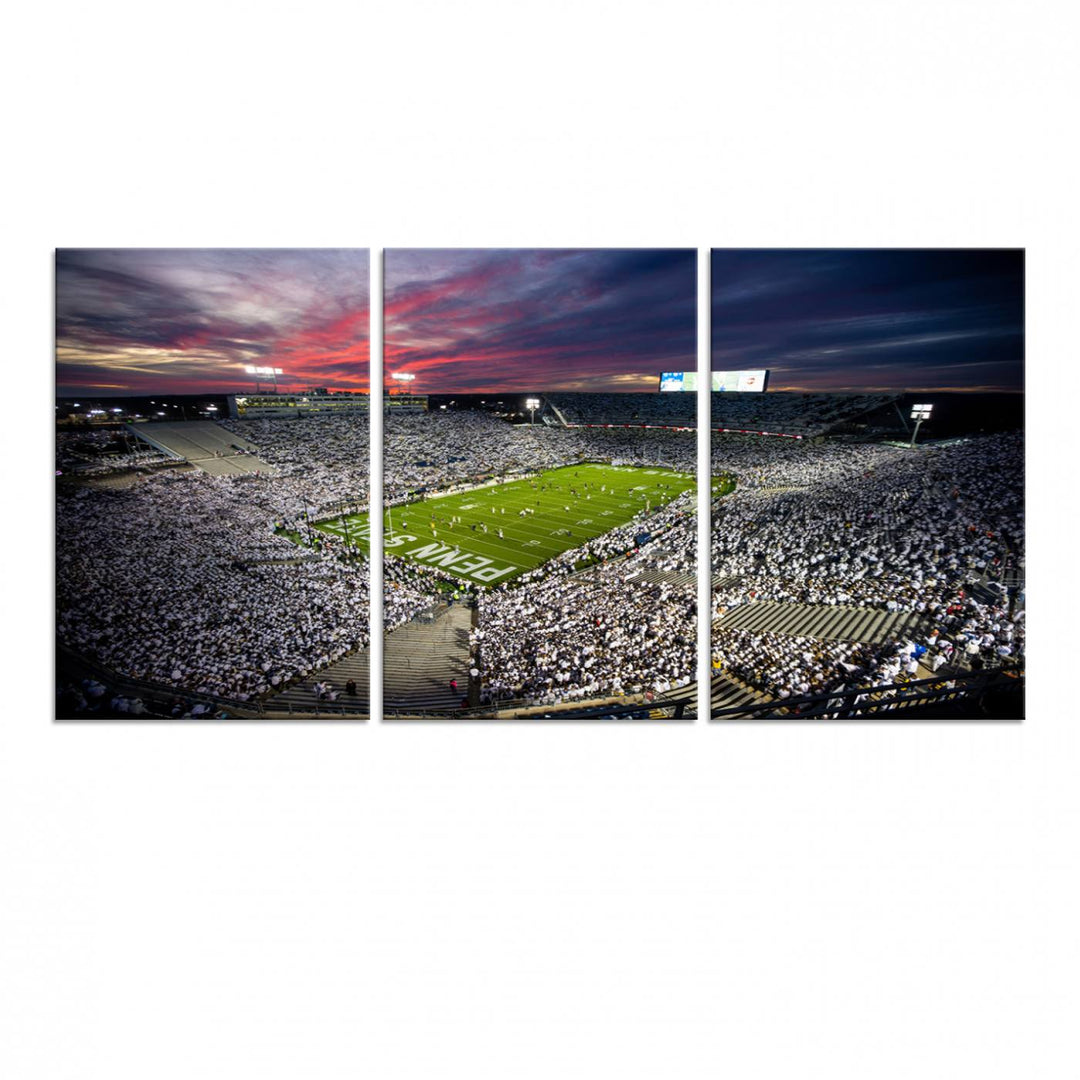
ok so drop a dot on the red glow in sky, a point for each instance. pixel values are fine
(189, 320)
(494, 320)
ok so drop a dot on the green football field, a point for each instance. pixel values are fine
(537, 518)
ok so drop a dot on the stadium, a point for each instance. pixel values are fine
(213, 555)
(859, 574)
(545, 569)
(533, 569)
(552, 560)
(870, 563)
(867, 553)
(180, 590)
(208, 402)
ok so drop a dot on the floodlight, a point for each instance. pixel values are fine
(919, 413)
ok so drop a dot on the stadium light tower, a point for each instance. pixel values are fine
(919, 413)
(532, 404)
(404, 377)
(264, 375)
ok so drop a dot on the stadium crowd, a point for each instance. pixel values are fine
(932, 533)
(785, 665)
(625, 625)
(778, 411)
(435, 451)
(554, 635)
(181, 580)
(92, 453)
(323, 457)
(791, 412)
(186, 579)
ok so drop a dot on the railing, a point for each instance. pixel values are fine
(159, 697)
(428, 615)
(977, 696)
(675, 710)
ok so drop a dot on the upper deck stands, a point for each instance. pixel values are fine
(205, 444)
(673, 410)
(781, 412)
(791, 413)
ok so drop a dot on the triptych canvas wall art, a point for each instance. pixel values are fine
(539, 492)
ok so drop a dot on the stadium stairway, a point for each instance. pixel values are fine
(726, 692)
(420, 659)
(720, 581)
(662, 577)
(729, 693)
(302, 698)
(685, 695)
(839, 622)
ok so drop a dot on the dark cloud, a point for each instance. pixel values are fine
(188, 320)
(542, 319)
(871, 319)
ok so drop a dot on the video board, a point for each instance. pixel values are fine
(742, 382)
(678, 380)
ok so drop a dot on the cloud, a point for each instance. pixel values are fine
(514, 320)
(188, 320)
(868, 319)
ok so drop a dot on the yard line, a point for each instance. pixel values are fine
(532, 538)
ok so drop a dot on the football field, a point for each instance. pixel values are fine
(494, 533)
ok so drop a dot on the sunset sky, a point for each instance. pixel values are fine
(871, 319)
(187, 320)
(539, 319)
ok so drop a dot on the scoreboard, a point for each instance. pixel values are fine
(678, 380)
(742, 382)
